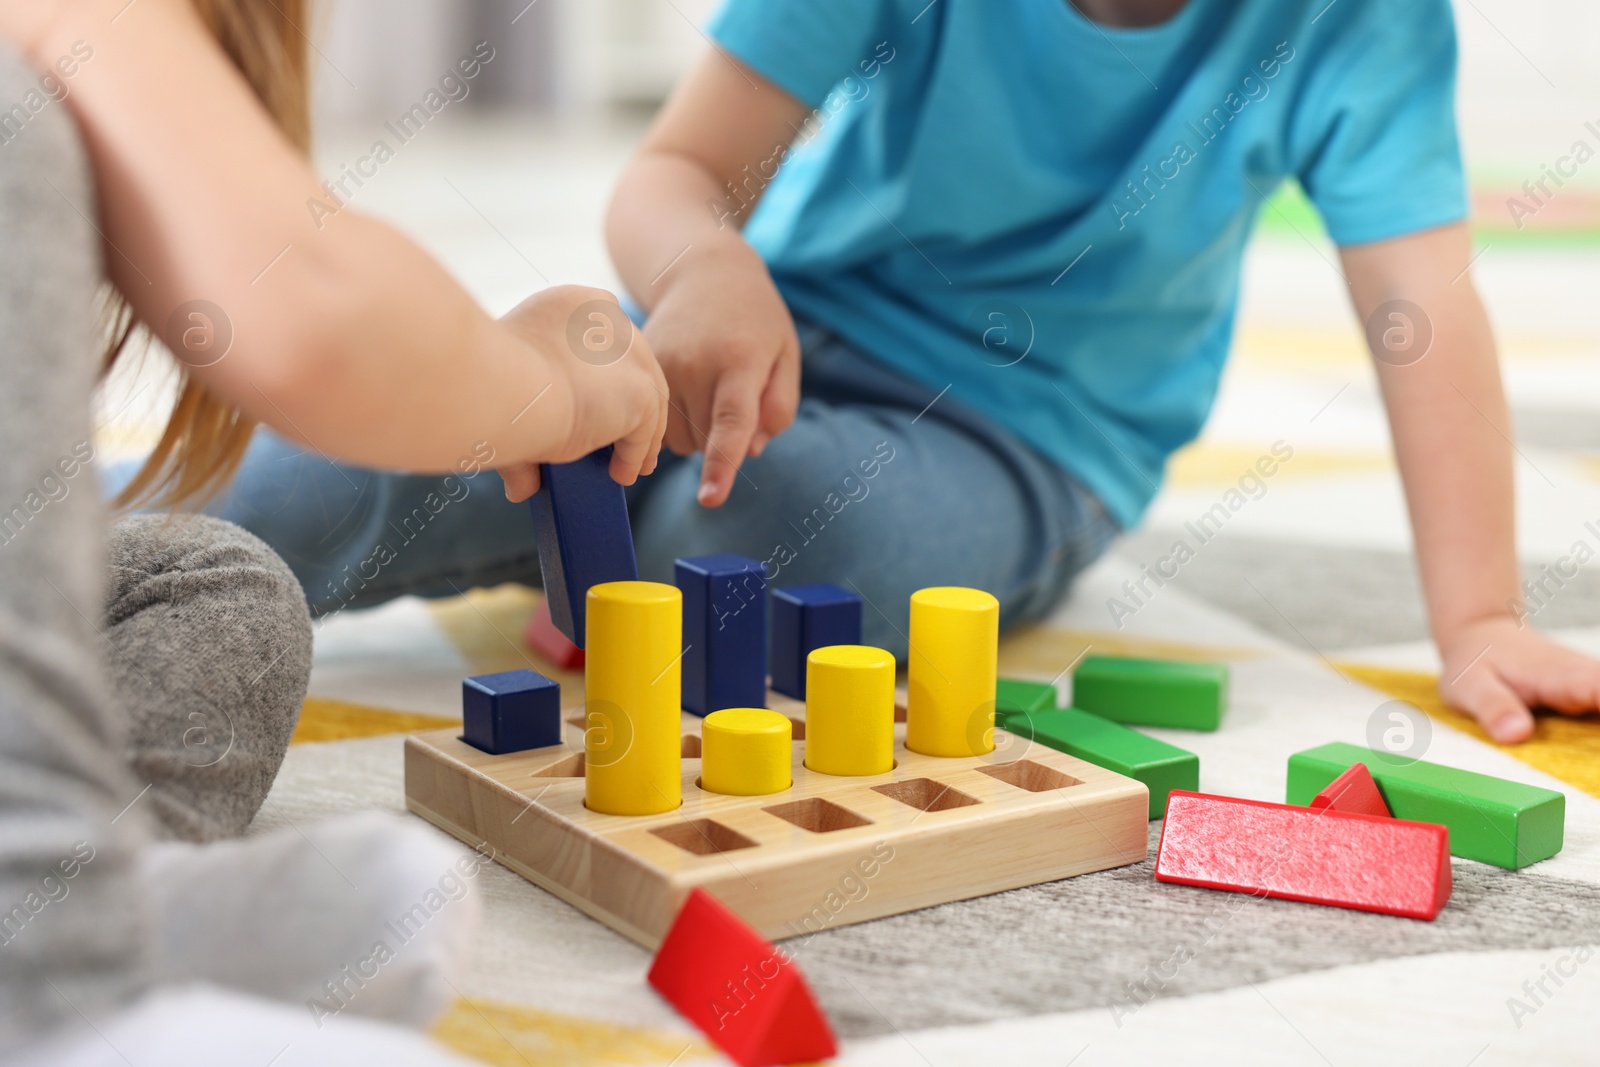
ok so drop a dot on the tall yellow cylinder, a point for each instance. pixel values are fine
(850, 710)
(746, 752)
(955, 636)
(633, 693)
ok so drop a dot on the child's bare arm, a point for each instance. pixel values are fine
(345, 335)
(723, 335)
(1452, 438)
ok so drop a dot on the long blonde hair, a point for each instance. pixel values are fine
(206, 437)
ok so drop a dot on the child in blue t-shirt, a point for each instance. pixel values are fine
(1004, 236)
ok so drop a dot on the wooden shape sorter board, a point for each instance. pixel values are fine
(826, 852)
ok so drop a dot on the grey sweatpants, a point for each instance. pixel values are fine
(158, 702)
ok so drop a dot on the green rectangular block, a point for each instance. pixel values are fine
(1027, 709)
(1152, 692)
(1491, 820)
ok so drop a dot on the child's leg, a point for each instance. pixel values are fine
(874, 489)
(72, 919)
(90, 916)
(213, 651)
(356, 538)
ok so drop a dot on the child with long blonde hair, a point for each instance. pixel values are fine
(159, 146)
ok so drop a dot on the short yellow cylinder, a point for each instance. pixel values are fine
(633, 682)
(950, 675)
(746, 752)
(850, 710)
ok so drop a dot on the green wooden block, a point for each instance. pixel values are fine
(1013, 695)
(1491, 819)
(1027, 709)
(1152, 692)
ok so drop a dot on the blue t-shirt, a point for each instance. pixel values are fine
(1049, 215)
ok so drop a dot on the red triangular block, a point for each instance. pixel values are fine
(1330, 857)
(544, 638)
(1353, 791)
(748, 996)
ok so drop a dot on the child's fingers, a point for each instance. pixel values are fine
(637, 448)
(779, 399)
(521, 481)
(1481, 694)
(1569, 683)
(734, 412)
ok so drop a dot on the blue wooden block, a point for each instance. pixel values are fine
(804, 619)
(724, 632)
(580, 520)
(510, 712)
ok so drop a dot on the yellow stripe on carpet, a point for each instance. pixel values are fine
(335, 720)
(1206, 465)
(510, 1036)
(1561, 746)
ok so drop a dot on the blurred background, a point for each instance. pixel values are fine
(573, 82)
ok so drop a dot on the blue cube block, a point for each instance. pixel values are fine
(510, 711)
(724, 632)
(804, 619)
(580, 520)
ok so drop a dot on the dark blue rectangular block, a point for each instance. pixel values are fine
(804, 619)
(510, 712)
(580, 521)
(724, 632)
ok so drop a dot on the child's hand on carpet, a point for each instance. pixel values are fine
(728, 347)
(1496, 669)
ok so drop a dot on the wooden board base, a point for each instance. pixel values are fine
(826, 852)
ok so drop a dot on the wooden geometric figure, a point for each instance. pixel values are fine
(745, 995)
(1353, 791)
(804, 619)
(1315, 855)
(1152, 692)
(1160, 766)
(930, 830)
(580, 522)
(1492, 820)
(543, 637)
(510, 711)
(744, 752)
(724, 632)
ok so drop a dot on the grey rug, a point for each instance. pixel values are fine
(1115, 939)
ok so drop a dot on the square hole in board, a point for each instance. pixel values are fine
(568, 767)
(925, 794)
(818, 815)
(703, 837)
(1034, 777)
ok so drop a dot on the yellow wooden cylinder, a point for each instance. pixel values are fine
(746, 752)
(633, 694)
(850, 710)
(951, 666)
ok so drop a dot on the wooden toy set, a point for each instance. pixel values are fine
(828, 804)
(722, 785)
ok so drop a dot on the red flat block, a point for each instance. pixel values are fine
(544, 638)
(748, 997)
(1354, 792)
(1320, 856)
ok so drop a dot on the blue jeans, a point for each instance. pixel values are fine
(881, 485)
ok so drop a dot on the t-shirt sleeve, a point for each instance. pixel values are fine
(1376, 135)
(805, 47)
